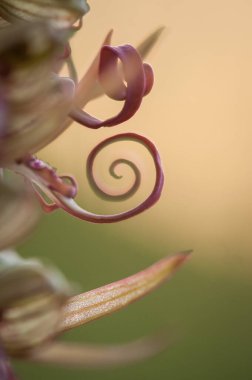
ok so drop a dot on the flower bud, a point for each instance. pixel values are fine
(31, 298)
(19, 213)
(33, 100)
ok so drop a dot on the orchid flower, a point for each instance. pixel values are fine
(36, 308)
(35, 112)
(37, 104)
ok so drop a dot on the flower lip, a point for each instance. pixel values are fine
(66, 202)
(138, 76)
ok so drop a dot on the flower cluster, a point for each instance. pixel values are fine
(36, 105)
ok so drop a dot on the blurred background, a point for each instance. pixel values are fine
(199, 115)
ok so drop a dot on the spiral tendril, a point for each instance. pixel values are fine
(73, 208)
(115, 197)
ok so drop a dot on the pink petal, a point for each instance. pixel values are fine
(49, 177)
(45, 181)
(97, 303)
(89, 82)
(134, 74)
(144, 48)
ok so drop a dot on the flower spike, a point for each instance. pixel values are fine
(97, 303)
(36, 105)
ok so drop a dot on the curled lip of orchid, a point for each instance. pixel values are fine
(35, 112)
(60, 13)
(36, 308)
(61, 193)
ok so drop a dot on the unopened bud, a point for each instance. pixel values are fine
(31, 298)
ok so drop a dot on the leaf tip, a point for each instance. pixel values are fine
(178, 259)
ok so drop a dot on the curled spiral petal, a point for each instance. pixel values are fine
(101, 193)
(54, 189)
(139, 80)
(89, 81)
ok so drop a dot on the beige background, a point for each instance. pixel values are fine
(198, 114)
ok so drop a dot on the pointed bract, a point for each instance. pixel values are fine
(105, 300)
(145, 47)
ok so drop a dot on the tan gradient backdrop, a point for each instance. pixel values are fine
(200, 116)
